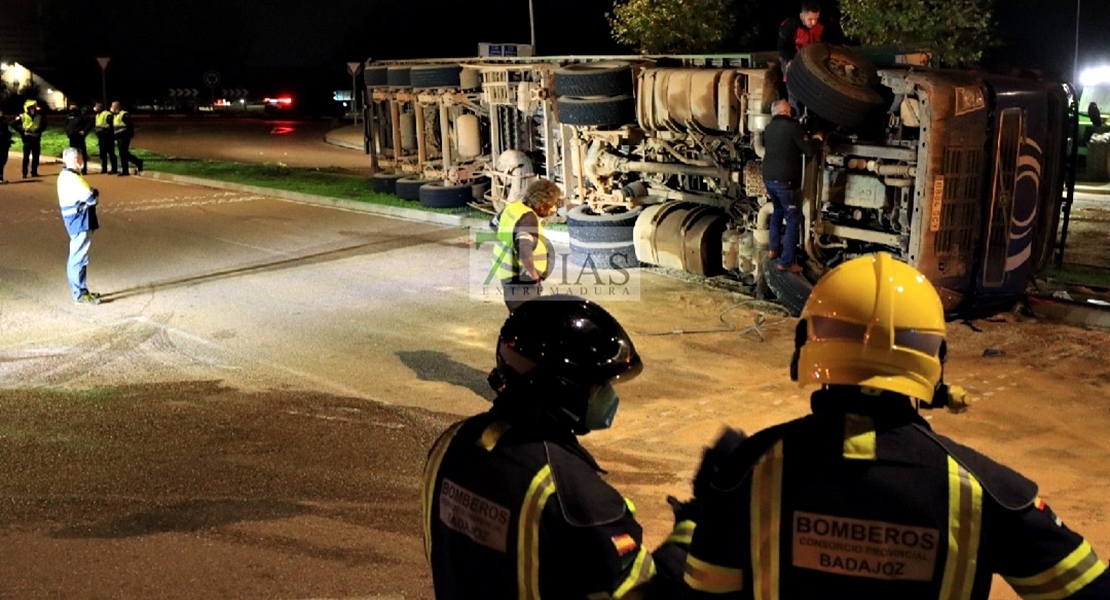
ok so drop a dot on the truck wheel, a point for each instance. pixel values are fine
(435, 76)
(605, 78)
(791, 289)
(599, 112)
(376, 76)
(606, 239)
(408, 188)
(834, 82)
(437, 195)
(385, 183)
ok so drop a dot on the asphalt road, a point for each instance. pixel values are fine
(247, 413)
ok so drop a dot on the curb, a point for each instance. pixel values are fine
(335, 140)
(393, 212)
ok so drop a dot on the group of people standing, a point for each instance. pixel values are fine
(113, 127)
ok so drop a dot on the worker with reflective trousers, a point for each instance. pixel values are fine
(861, 499)
(514, 507)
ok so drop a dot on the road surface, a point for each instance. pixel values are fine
(247, 413)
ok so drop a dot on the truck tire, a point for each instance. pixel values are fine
(834, 82)
(408, 188)
(607, 240)
(435, 76)
(791, 289)
(375, 77)
(398, 76)
(437, 195)
(605, 78)
(385, 182)
(599, 112)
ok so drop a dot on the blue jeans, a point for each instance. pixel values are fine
(785, 197)
(78, 262)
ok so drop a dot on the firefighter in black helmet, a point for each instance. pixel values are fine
(513, 505)
(862, 499)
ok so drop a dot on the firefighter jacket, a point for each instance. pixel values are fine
(77, 201)
(862, 499)
(5, 136)
(515, 511)
(122, 127)
(518, 224)
(104, 122)
(30, 125)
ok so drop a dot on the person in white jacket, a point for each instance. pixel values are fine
(77, 200)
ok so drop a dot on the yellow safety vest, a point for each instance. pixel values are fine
(32, 124)
(117, 122)
(505, 260)
(104, 119)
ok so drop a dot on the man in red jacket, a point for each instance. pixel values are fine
(796, 32)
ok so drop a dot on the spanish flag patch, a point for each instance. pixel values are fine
(1041, 506)
(624, 543)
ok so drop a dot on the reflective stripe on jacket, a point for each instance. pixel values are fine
(511, 512)
(506, 261)
(863, 501)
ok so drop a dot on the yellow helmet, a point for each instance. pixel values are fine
(874, 322)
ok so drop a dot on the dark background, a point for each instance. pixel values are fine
(273, 47)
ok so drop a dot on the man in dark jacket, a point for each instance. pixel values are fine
(6, 142)
(862, 499)
(76, 127)
(785, 143)
(513, 505)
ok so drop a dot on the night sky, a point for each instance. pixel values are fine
(274, 46)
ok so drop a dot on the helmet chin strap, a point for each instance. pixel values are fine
(952, 397)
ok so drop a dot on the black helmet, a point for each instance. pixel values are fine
(554, 349)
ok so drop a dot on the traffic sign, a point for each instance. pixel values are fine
(103, 61)
(234, 93)
(211, 78)
(352, 68)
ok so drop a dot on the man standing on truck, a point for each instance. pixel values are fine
(861, 498)
(796, 32)
(785, 144)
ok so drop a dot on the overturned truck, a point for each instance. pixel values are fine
(959, 173)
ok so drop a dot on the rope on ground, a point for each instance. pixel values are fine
(760, 324)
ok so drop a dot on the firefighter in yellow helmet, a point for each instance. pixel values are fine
(861, 499)
(30, 126)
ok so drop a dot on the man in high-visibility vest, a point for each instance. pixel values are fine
(105, 139)
(521, 250)
(862, 499)
(124, 129)
(77, 200)
(514, 506)
(30, 125)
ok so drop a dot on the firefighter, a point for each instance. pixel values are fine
(861, 499)
(123, 129)
(513, 505)
(30, 125)
(521, 249)
(105, 139)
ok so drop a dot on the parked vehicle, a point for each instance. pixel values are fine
(961, 174)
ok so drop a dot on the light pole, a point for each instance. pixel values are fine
(103, 62)
(1075, 64)
(532, 26)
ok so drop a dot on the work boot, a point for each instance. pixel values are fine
(88, 298)
(788, 268)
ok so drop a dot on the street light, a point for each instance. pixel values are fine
(532, 26)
